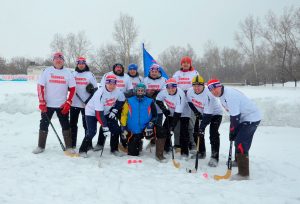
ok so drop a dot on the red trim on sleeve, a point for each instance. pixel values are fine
(41, 93)
(71, 94)
(99, 117)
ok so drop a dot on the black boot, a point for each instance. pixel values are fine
(84, 147)
(243, 167)
(41, 142)
(160, 143)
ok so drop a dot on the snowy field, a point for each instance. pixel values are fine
(51, 177)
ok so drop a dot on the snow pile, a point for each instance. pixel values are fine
(279, 105)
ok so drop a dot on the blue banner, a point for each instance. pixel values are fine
(148, 61)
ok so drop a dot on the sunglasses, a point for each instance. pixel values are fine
(171, 86)
(81, 62)
(111, 81)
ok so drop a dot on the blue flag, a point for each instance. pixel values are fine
(148, 61)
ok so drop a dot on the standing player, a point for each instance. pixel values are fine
(86, 84)
(207, 108)
(244, 120)
(134, 75)
(103, 108)
(53, 86)
(184, 78)
(155, 82)
(177, 111)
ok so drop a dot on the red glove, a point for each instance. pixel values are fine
(43, 106)
(66, 107)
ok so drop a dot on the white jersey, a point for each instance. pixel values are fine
(123, 82)
(176, 103)
(135, 80)
(82, 80)
(235, 102)
(155, 85)
(184, 79)
(204, 102)
(56, 83)
(103, 100)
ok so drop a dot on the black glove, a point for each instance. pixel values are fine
(90, 88)
(166, 112)
(232, 134)
(198, 115)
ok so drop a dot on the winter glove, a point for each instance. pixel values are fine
(90, 88)
(113, 113)
(106, 132)
(43, 106)
(166, 112)
(149, 130)
(198, 115)
(124, 133)
(66, 107)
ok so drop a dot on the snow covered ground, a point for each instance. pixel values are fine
(52, 177)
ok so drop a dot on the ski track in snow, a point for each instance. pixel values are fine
(52, 177)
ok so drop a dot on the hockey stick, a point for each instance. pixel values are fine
(80, 99)
(196, 129)
(175, 163)
(229, 164)
(60, 142)
(99, 163)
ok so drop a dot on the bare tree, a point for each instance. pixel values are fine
(282, 35)
(247, 40)
(231, 65)
(105, 57)
(170, 58)
(73, 46)
(211, 59)
(58, 43)
(125, 34)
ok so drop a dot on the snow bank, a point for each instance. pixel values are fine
(280, 106)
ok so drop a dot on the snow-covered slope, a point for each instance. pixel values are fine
(52, 177)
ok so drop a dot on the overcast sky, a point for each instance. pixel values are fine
(28, 26)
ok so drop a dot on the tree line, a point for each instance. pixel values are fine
(267, 50)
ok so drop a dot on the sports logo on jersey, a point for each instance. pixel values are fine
(110, 102)
(170, 104)
(56, 79)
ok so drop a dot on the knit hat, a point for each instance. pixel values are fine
(213, 83)
(171, 83)
(132, 67)
(186, 59)
(81, 60)
(59, 55)
(154, 66)
(111, 79)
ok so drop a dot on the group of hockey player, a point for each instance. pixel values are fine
(130, 108)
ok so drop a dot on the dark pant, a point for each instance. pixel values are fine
(244, 136)
(134, 144)
(113, 126)
(184, 134)
(74, 115)
(214, 135)
(101, 137)
(63, 119)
